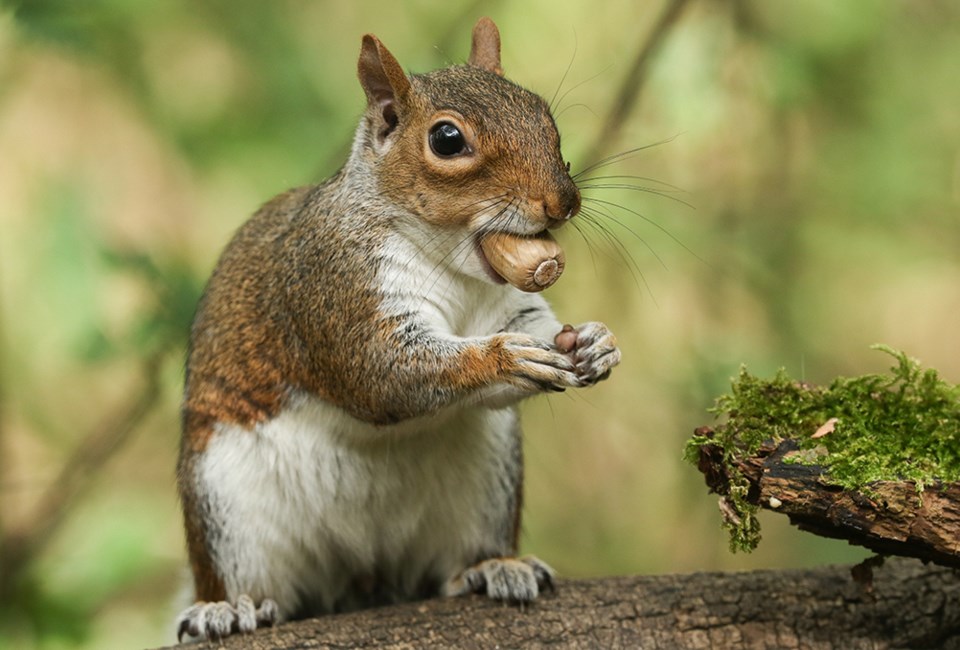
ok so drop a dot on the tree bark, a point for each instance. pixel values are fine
(891, 517)
(904, 604)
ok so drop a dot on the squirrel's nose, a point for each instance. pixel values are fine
(561, 206)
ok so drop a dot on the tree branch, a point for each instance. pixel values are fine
(632, 84)
(20, 547)
(891, 518)
(906, 604)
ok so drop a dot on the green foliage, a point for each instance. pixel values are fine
(58, 600)
(39, 614)
(173, 288)
(901, 426)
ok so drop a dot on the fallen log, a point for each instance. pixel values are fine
(906, 605)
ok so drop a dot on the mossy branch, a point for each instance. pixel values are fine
(849, 460)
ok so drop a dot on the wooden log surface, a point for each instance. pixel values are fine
(906, 605)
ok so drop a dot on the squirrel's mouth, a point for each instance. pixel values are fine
(495, 277)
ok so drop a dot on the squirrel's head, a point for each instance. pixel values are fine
(463, 146)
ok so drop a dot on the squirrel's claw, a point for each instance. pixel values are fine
(536, 366)
(595, 353)
(511, 580)
(220, 619)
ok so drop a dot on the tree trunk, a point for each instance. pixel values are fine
(903, 604)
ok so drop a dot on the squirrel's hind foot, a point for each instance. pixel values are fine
(513, 580)
(220, 619)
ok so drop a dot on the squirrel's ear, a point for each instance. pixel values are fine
(383, 80)
(485, 49)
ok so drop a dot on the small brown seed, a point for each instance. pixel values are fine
(566, 340)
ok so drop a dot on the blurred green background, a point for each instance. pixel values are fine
(813, 148)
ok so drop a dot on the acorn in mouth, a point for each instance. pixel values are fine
(529, 263)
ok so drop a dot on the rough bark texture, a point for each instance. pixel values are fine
(906, 605)
(891, 518)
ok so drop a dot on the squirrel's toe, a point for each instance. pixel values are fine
(216, 620)
(508, 579)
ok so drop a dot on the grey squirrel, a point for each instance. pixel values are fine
(350, 431)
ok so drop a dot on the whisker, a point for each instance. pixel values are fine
(638, 188)
(437, 273)
(565, 73)
(619, 157)
(605, 214)
(593, 256)
(585, 81)
(648, 220)
(634, 177)
(616, 245)
(556, 116)
(443, 237)
(468, 238)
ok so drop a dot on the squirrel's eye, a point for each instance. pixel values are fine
(446, 140)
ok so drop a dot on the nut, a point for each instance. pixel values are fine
(566, 340)
(528, 263)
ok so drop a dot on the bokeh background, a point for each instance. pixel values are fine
(803, 202)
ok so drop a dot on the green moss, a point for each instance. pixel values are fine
(901, 426)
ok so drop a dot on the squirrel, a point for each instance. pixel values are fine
(350, 427)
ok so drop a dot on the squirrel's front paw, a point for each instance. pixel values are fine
(593, 348)
(508, 579)
(534, 365)
(220, 619)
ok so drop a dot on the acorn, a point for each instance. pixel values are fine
(528, 263)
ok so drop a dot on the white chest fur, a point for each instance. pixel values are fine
(436, 276)
(312, 501)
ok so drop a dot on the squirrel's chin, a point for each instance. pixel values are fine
(492, 275)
